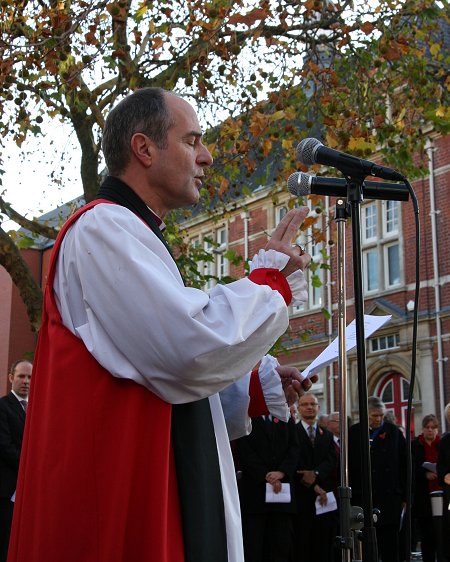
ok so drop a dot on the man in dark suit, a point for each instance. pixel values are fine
(12, 422)
(267, 456)
(388, 467)
(317, 459)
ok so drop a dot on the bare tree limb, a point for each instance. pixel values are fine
(33, 226)
(29, 289)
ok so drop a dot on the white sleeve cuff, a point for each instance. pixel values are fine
(272, 388)
(278, 260)
(299, 287)
(269, 258)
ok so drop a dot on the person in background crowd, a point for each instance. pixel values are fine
(388, 465)
(322, 420)
(317, 459)
(267, 458)
(424, 449)
(443, 473)
(13, 407)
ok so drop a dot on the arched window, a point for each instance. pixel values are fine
(393, 390)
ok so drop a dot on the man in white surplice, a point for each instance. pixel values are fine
(118, 289)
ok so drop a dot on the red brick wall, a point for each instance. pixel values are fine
(18, 340)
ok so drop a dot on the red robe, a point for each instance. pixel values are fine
(125, 509)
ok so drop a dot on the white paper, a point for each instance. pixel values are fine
(331, 353)
(431, 466)
(284, 496)
(331, 504)
(13, 497)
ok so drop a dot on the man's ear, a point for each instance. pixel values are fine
(142, 148)
(11, 377)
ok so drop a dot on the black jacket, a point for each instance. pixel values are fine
(12, 423)
(267, 448)
(388, 466)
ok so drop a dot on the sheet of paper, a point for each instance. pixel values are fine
(284, 496)
(331, 353)
(331, 504)
(431, 466)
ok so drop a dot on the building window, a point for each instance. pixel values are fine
(221, 261)
(279, 213)
(381, 245)
(385, 342)
(217, 266)
(314, 273)
(393, 390)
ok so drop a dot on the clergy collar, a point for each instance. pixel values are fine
(161, 224)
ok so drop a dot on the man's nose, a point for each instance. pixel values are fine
(204, 158)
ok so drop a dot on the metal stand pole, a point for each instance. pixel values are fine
(352, 517)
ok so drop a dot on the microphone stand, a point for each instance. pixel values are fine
(352, 517)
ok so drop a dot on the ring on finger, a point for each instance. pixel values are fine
(302, 250)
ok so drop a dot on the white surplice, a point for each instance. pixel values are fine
(119, 290)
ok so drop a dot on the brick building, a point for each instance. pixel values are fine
(388, 246)
(389, 249)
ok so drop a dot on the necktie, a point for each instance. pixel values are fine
(311, 433)
(24, 405)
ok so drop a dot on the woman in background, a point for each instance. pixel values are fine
(424, 449)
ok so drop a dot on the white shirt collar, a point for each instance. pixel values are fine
(19, 398)
(306, 425)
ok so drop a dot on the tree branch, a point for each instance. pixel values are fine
(32, 225)
(29, 289)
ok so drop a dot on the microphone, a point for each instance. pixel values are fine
(312, 151)
(301, 184)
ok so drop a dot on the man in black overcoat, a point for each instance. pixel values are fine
(388, 466)
(12, 422)
(267, 456)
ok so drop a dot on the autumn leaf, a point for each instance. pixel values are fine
(329, 121)
(356, 144)
(250, 18)
(435, 49)
(367, 28)
(378, 120)
(224, 184)
(277, 115)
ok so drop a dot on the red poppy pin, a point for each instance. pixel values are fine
(382, 435)
(275, 420)
(320, 431)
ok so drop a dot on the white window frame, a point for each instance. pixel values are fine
(315, 294)
(380, 243)
(387, 346)
(220, 266)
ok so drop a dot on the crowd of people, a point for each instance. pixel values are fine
(140, 383)
(304, 455)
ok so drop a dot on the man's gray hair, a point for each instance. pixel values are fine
(144, 111)
(374, 403)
